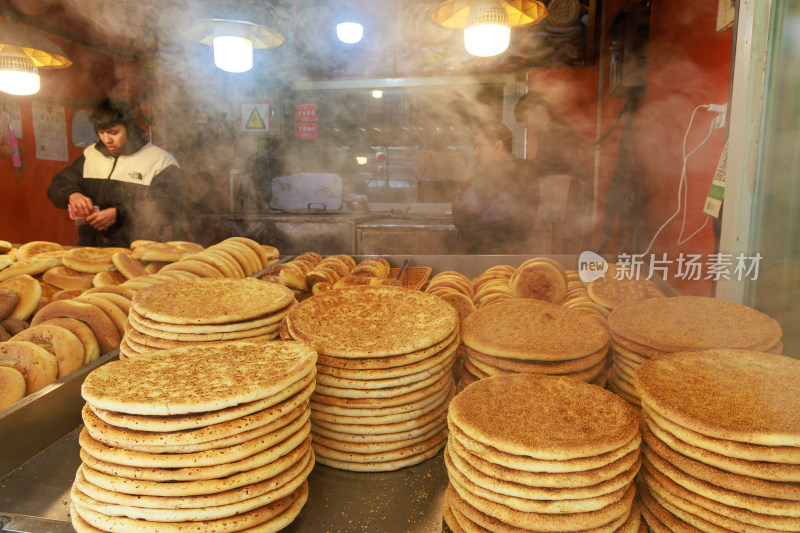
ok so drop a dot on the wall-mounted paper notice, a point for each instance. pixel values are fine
(50, 131)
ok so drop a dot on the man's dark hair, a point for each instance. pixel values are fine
(108, 113)
(529, 101)
(494, 130)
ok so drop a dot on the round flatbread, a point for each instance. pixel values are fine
(12, 386)
(91, 349)
(737, 395)
(38, 366)
(391, 362)
(719, 478)
(61, 342)
(31, 267)
(180, 380)
(691, 323)
(27, 251)
(533, 330)
(103, 327)
(89, 259)
(211, 301)
(268, 519)
(540, 367)
(28, 291)
(372, 321)
(544, 417)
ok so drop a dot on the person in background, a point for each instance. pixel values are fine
(556, 166)
(495, 207)
(124, 187)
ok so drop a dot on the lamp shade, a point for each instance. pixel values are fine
(43, 52)
(235, 29)
(23, 51)
(521, 13)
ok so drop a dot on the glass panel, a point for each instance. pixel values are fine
(776, 213)
(399, 145)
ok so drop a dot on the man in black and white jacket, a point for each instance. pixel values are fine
(123, 186)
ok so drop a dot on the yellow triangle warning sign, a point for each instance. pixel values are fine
(255, 122)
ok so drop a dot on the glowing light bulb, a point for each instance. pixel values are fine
(377, 94)
(18, 75)
(19, 83)
(233, 54)
(349, 32)
(487, 31)
(486, 40)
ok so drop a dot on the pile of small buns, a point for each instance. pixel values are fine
(540, 278)
(201, 438)
(63, 308)
(309, 273)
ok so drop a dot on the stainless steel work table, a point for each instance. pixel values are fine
(409, 500)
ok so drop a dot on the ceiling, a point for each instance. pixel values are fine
(111, 27)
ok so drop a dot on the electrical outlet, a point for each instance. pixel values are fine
(722, 113)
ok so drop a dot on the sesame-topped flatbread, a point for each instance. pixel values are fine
(211, 301)
(689, 323)
(739, 395)
(544, 417)
(198, 378)
(372, 321)
(533, 330)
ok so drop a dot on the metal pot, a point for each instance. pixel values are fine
(356, 202)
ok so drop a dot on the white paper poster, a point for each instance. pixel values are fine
(50, 131)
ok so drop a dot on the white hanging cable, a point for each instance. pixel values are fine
(683, 187)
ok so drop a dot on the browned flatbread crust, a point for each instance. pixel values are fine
(739, 395)
(345, 323)
(211, 301)
(544, 417)
(158, 384)
(690, 323)
(533, 330)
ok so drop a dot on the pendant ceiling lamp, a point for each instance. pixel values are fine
(235, 33)
(487, 24)
(349, 20)
(23, 51)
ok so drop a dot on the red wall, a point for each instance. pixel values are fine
(689, 64)
(26, 214)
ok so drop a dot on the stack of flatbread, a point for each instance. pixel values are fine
(384, 374)
(722, 442)
(533, 336)
(541, 453)
(202, 438)
(652, 328)
(170, 315)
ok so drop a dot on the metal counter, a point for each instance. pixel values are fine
(35, 497)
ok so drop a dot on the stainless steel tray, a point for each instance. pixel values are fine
(35, 497)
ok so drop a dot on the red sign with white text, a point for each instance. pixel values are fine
(305, 113)
(305, 130)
